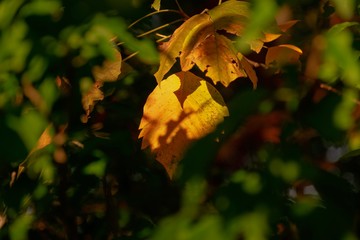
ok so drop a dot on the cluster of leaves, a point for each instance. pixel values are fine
(275, 157)
(201, 40)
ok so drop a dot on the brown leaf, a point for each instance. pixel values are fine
(168, 127)
(91, 97)
(110, 70)
(283, 54)
(173, 48)
(202, 40)
(249, 71)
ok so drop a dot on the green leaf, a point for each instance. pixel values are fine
(19, 228)
(156, 5)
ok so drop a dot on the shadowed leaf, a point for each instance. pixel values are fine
(168, 126)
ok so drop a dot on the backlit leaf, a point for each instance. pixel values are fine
(183, 109)
(172, 49)
(198, 29)
(203, 40)
(217, 56)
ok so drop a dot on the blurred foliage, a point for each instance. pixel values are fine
(285, 166)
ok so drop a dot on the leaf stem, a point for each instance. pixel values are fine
(181, 10)
(158, 28)
(153, 13)
(162, 37)
(334, 90)
(220, 1)
(130, 56)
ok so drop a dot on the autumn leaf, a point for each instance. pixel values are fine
(172, 49)
(91, 97)
(218, 58)
(44, 140)
(282, 54)
(202, 40)
(183, 109)
(199, 33)
(110, 69)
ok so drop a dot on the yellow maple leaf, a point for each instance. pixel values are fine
(183, 109)
(203, 40)
(200, 32)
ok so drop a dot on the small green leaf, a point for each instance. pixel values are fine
(19, 228)
(156, 5)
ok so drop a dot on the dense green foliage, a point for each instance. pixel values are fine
(284, 166)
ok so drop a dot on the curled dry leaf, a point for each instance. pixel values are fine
(282, 54)
(202, 40)
(91, 98)
(110, 69)
(183, 109)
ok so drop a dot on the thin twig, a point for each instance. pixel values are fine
(120, 43)
(153, 13)
(331, 89)
(161, 35)
(181, 10)
(163, 39)
(158, 28)
(220, 1)
(130, 56)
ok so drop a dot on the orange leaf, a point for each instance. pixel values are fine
(202, 40)
(218, 58)
(287, 25)
(172, 49)
(198, 36)
(249, 70)
(183, 109)
(282, 54)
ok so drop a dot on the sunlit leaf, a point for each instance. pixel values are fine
(203, 40)
(172, 49)
(183, 109)
(218, 58)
